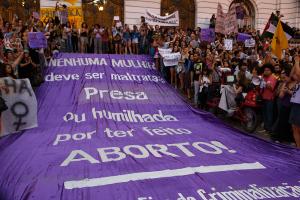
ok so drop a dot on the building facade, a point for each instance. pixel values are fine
(257, 11)
(193, 13)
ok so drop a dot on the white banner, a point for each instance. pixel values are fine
(162, 52)
(250, 43)
(170, 20)
(22, 106)
(228, 43)
(171, 59)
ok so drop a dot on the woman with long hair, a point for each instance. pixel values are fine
(282, 128)
(97, 39)
(127, 39)
(67, 36)
(117, 39)
(83, 32)
(9, 72)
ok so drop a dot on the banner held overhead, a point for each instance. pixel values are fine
(169, 20)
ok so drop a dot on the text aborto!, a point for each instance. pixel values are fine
(110, 123)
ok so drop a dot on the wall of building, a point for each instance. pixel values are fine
(290, 9)
(205, 8)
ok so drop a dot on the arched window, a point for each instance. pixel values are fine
(187, 11)
(245, 12)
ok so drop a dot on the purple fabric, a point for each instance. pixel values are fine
(240, 12)
(242, 37)
(208, 35)
(37, 40)
(205, 155)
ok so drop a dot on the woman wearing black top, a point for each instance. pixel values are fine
(83, 38)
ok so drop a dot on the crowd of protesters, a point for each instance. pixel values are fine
(198, 74)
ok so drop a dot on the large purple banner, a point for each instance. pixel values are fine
(111, 128)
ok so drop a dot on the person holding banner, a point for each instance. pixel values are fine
(295, 100)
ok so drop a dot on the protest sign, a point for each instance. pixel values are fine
(250, 43)
(36, 15)
(242, 37)
(37, 40)
(116, 18)
(162, 51)
(226, 22)
(171, 59)
(110, 127)
(22, 106)
(6, 41)
(208, 35)
(170, 20)
(228, 43)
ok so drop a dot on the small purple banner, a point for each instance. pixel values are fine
(208, 35)
(37, 40)
(110, 127)
(242, 37)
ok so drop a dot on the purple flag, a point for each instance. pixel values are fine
(110, 127)
(37, 40)
(242, 37)
(208, 35)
